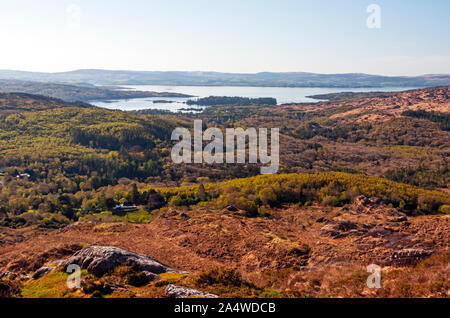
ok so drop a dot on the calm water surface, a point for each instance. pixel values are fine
(282, 94)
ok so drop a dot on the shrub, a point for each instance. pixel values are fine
(445, 209)
(330, 201)
(138, 279)
(428, 203)
(8, 288)
(334, 188)
(95, 287)
(220, 276)
(268, 196)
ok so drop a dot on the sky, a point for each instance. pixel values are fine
(407, 37)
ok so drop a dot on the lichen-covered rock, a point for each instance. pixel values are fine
(174, 291)
(400, 219)
(151, 276)
(408, 257)
(185, 216)
(100, 259)
(7, 274)
(44, 270)
(231, 208)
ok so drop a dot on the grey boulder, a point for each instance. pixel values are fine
(100, 259)
(44, 270)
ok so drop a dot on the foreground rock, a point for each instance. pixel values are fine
(7, 274)
(151, 277)
(174, 291)
(44, 270)
(100, 259)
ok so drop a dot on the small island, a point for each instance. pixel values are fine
(235, 101)
(161, 101)
(191, 109)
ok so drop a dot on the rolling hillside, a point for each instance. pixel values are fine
(73, 93)
(361, 181)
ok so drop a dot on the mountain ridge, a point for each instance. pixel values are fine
(200, 78)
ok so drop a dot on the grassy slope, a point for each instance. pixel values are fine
(77, 92)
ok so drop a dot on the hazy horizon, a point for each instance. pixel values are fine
(200, 71)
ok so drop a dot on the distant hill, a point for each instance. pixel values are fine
(432, 104)
(21, 102)
(85, 92)
(292, 79)
(236, 101)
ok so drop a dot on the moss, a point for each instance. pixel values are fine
(170, 278)
(52, 285)
(270, 294)
(9, 288)
(140, 217)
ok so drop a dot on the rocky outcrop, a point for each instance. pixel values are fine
(364, 205)
(231, 208)
(323, 220)
(100, 259)
(399, 219)
(174, 291)
(151, 277)
(342, 228)
(185, 216)
(44, 270)
(169, 214)
(407, 257)
(7, 274)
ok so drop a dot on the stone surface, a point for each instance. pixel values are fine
(342, 228)
(44, 270)
(408, 257)
(151, 276)
(7, 274)
(100, 259)
(185, 216)
(174, 291)
(231, 208)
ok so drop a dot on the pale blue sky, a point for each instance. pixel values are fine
(323, 36)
